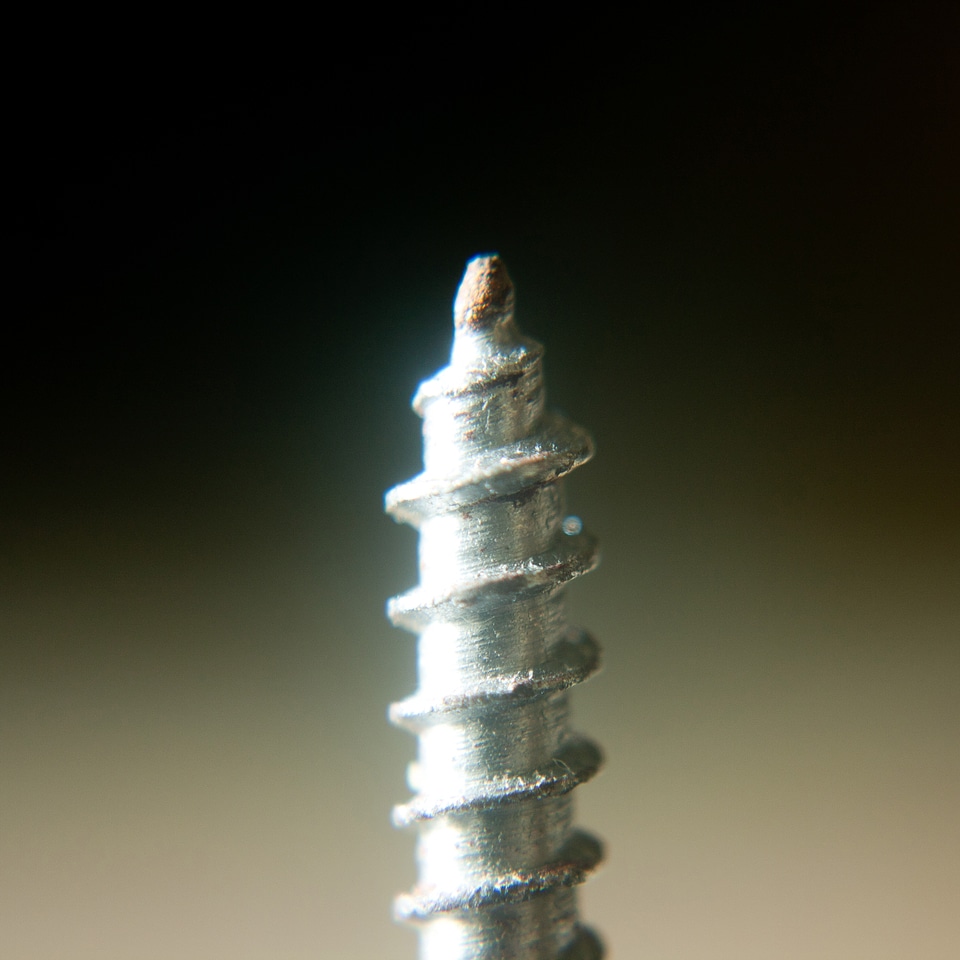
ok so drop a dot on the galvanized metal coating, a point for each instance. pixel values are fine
(498, 856)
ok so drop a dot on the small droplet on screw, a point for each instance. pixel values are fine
(572, 526)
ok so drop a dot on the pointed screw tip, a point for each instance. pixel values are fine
(485, 296)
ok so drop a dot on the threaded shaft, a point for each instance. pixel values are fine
(497, 853)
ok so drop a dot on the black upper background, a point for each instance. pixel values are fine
(212, 239)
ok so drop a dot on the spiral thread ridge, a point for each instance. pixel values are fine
(498, 856)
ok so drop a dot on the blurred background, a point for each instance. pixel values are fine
(738, 240)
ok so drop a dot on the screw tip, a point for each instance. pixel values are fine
(485, 296)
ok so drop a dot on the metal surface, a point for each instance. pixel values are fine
(498, 857)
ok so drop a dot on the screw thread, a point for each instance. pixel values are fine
(498, 856)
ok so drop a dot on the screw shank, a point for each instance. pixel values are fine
(497, 761)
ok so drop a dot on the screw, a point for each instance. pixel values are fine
(498, 857)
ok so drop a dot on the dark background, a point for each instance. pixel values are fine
(737, 238)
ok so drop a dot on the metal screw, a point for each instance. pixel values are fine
(498, 857)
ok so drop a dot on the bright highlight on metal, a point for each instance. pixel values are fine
(498, 857)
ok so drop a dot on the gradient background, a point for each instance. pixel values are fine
(738, 241)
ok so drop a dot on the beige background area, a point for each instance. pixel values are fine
(747, 291)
